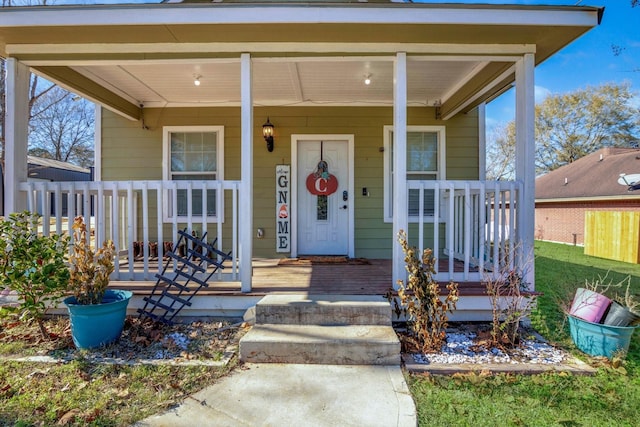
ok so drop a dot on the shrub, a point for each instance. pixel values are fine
(32, 265)
(420, 298)
(511, 302)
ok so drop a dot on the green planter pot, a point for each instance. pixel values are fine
(599, 340)
(98, 324)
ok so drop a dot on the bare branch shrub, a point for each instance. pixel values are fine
(420, 298)
(605, 286)
(511, 301)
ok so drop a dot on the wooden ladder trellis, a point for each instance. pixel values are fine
(171, 294)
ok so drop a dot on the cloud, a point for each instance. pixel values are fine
(541, 93)
(491, 123)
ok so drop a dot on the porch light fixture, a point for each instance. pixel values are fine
(267, 132)
(196, 80)
(367, 79)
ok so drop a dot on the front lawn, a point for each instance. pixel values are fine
(610, 398)
(81, 393)
(84, 390)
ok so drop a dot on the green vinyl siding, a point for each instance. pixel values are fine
(130, 152)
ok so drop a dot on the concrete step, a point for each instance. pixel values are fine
(323, 310)
(313, 344)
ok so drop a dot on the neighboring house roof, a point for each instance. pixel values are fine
(55, 170)
(591, 177)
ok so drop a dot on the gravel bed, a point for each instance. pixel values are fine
(467, 344)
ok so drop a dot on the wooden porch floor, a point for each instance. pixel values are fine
(317, 279)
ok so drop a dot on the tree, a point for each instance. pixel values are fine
(572, 125)
(52, 131)
(502, 152)
(61, 127)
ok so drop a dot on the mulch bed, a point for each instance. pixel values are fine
(140, 340)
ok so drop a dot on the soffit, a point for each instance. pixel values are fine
(288, 82)
(293, 78)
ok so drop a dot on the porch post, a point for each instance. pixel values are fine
(400, 204)
(16, 135)
(245, 215)
(525, 162)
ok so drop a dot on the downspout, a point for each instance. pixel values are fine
(482, 142)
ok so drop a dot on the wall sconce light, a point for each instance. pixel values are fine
(196, 80)
(267, 132)
(367, 79)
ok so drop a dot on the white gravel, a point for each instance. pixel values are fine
(461, 347)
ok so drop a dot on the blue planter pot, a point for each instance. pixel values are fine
(599, 340)
(98, 324)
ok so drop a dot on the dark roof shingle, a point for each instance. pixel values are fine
(595, 175)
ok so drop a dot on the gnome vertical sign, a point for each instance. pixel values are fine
(283, 197)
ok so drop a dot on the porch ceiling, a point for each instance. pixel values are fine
(304, 53)
(291, 82)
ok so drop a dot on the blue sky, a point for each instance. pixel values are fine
(588, 61)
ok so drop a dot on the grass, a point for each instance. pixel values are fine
(610, 398)
(81, 393)
(85, 392)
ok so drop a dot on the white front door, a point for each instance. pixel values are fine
(323, 219)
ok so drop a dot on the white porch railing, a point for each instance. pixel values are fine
(474, 226)
(141, 217)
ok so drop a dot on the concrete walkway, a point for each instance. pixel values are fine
(273, 394)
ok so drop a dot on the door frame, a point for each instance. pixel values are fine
(295, 140)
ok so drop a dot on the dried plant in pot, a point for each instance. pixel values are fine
(97, 314)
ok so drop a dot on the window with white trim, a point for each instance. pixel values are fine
(425, 161)
(193, 153)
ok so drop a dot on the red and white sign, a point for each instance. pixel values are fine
(282, 208)
(319, 186)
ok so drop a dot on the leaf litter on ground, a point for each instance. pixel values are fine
(141, 340)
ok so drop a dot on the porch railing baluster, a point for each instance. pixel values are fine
(467, 228)
(234, 229)
(145, 229)
(436, 224)
(115, 228)
(482, 220)
(479, 220)
(58, 207)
